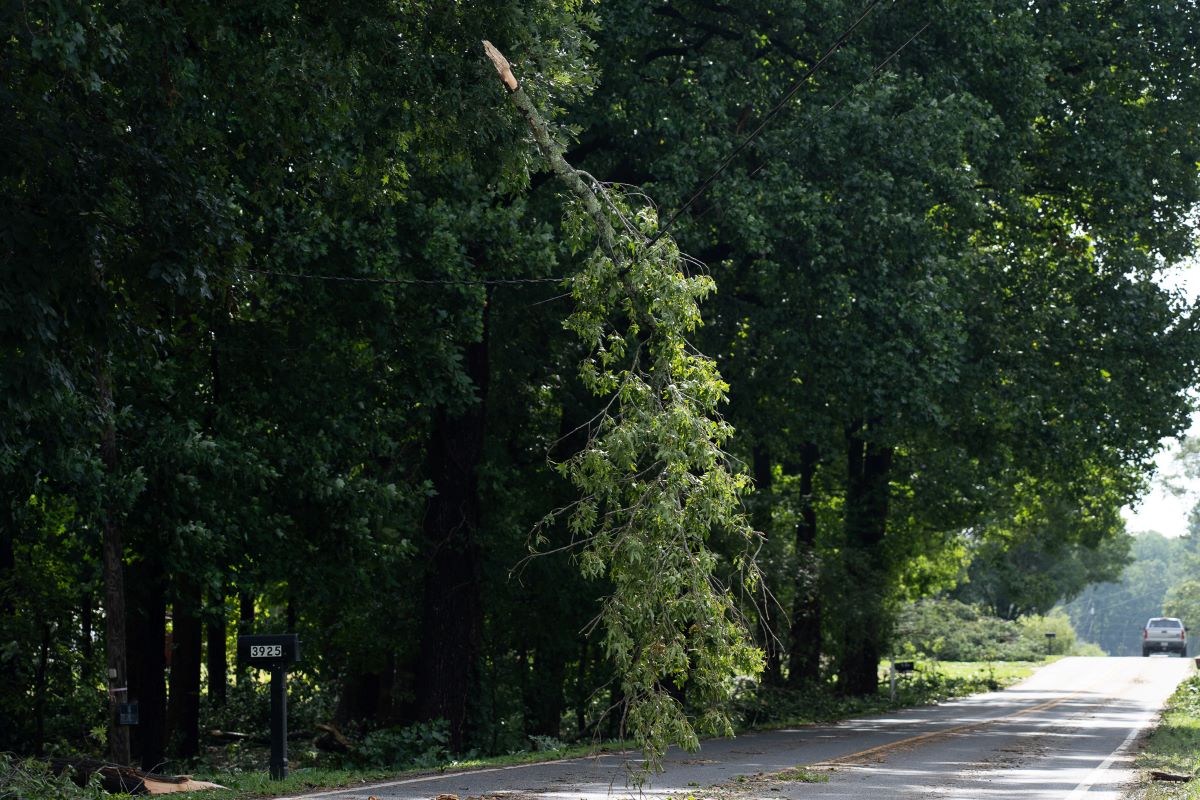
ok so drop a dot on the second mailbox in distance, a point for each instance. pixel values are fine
(265, 651)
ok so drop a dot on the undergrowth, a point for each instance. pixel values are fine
(33, 780)
(1174, 745)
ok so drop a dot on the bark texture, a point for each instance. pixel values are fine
(804, 655)
(867, 501)
(148, 662)
(452, 613)
(183, 712)
(114, 578)
(217, 651)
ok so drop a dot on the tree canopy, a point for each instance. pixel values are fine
(302, 330)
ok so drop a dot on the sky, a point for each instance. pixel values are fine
(1161, 509)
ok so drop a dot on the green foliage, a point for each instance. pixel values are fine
(26, 780)
(801, 775)
(933, 681)
(1034, 628)
(272, 230)
(655, 483)
(45, 643)
(423, 745)
(950, 630)
(1052, 545)
(1174, 744)
(1183, 601)
(931, 257)
(168, 175)
(247, 707)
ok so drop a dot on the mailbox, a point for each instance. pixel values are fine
(275, 652)
(269, 651)
(905, 666)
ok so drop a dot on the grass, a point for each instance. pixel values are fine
(243, 784)
(999, 673)
(1174, 746)
(801, 775)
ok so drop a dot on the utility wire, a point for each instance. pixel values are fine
(828, 109)
(853, 91)
(407, 281)
(700, 190)
(770, 115)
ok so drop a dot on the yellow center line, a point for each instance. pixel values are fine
(882, 748)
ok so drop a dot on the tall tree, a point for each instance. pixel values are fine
(872, 242)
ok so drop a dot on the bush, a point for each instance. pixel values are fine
(422, 745)
(1034, 629)
(949, 630)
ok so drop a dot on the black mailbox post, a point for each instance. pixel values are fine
(275, 652)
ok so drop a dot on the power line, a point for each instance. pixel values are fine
(407, 281)
(841, 100)
(853, 91)
(700, 190)
(788, 95)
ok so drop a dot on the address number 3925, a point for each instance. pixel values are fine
(266, 651)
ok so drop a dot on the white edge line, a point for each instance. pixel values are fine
(1096, 773)
(447, 775)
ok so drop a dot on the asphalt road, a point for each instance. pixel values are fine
(1069, 731)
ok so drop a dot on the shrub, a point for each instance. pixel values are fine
(949, 630)
(424, 744)
(1034, 629)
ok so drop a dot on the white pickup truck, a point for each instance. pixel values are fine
(1164, 635)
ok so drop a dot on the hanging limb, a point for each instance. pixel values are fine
(653, 476)
(578, 182)
(553, 151)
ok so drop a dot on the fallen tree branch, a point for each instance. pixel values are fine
(117, 779)
(1158, 775)
(553, 151)
(654, 478)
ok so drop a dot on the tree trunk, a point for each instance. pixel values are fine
(245, 628)
(804, 656)
(114, 579)
(9, 685)
(867, 500)
(387, 711)
(582, 695)
(545, 702)
(452, 613)
(40, 687)
(85, 632)
(8, 563)
(217, 651)
(147, 650)
(359, 698)
(183, 711)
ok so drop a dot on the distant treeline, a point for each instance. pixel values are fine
(1163, 579)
